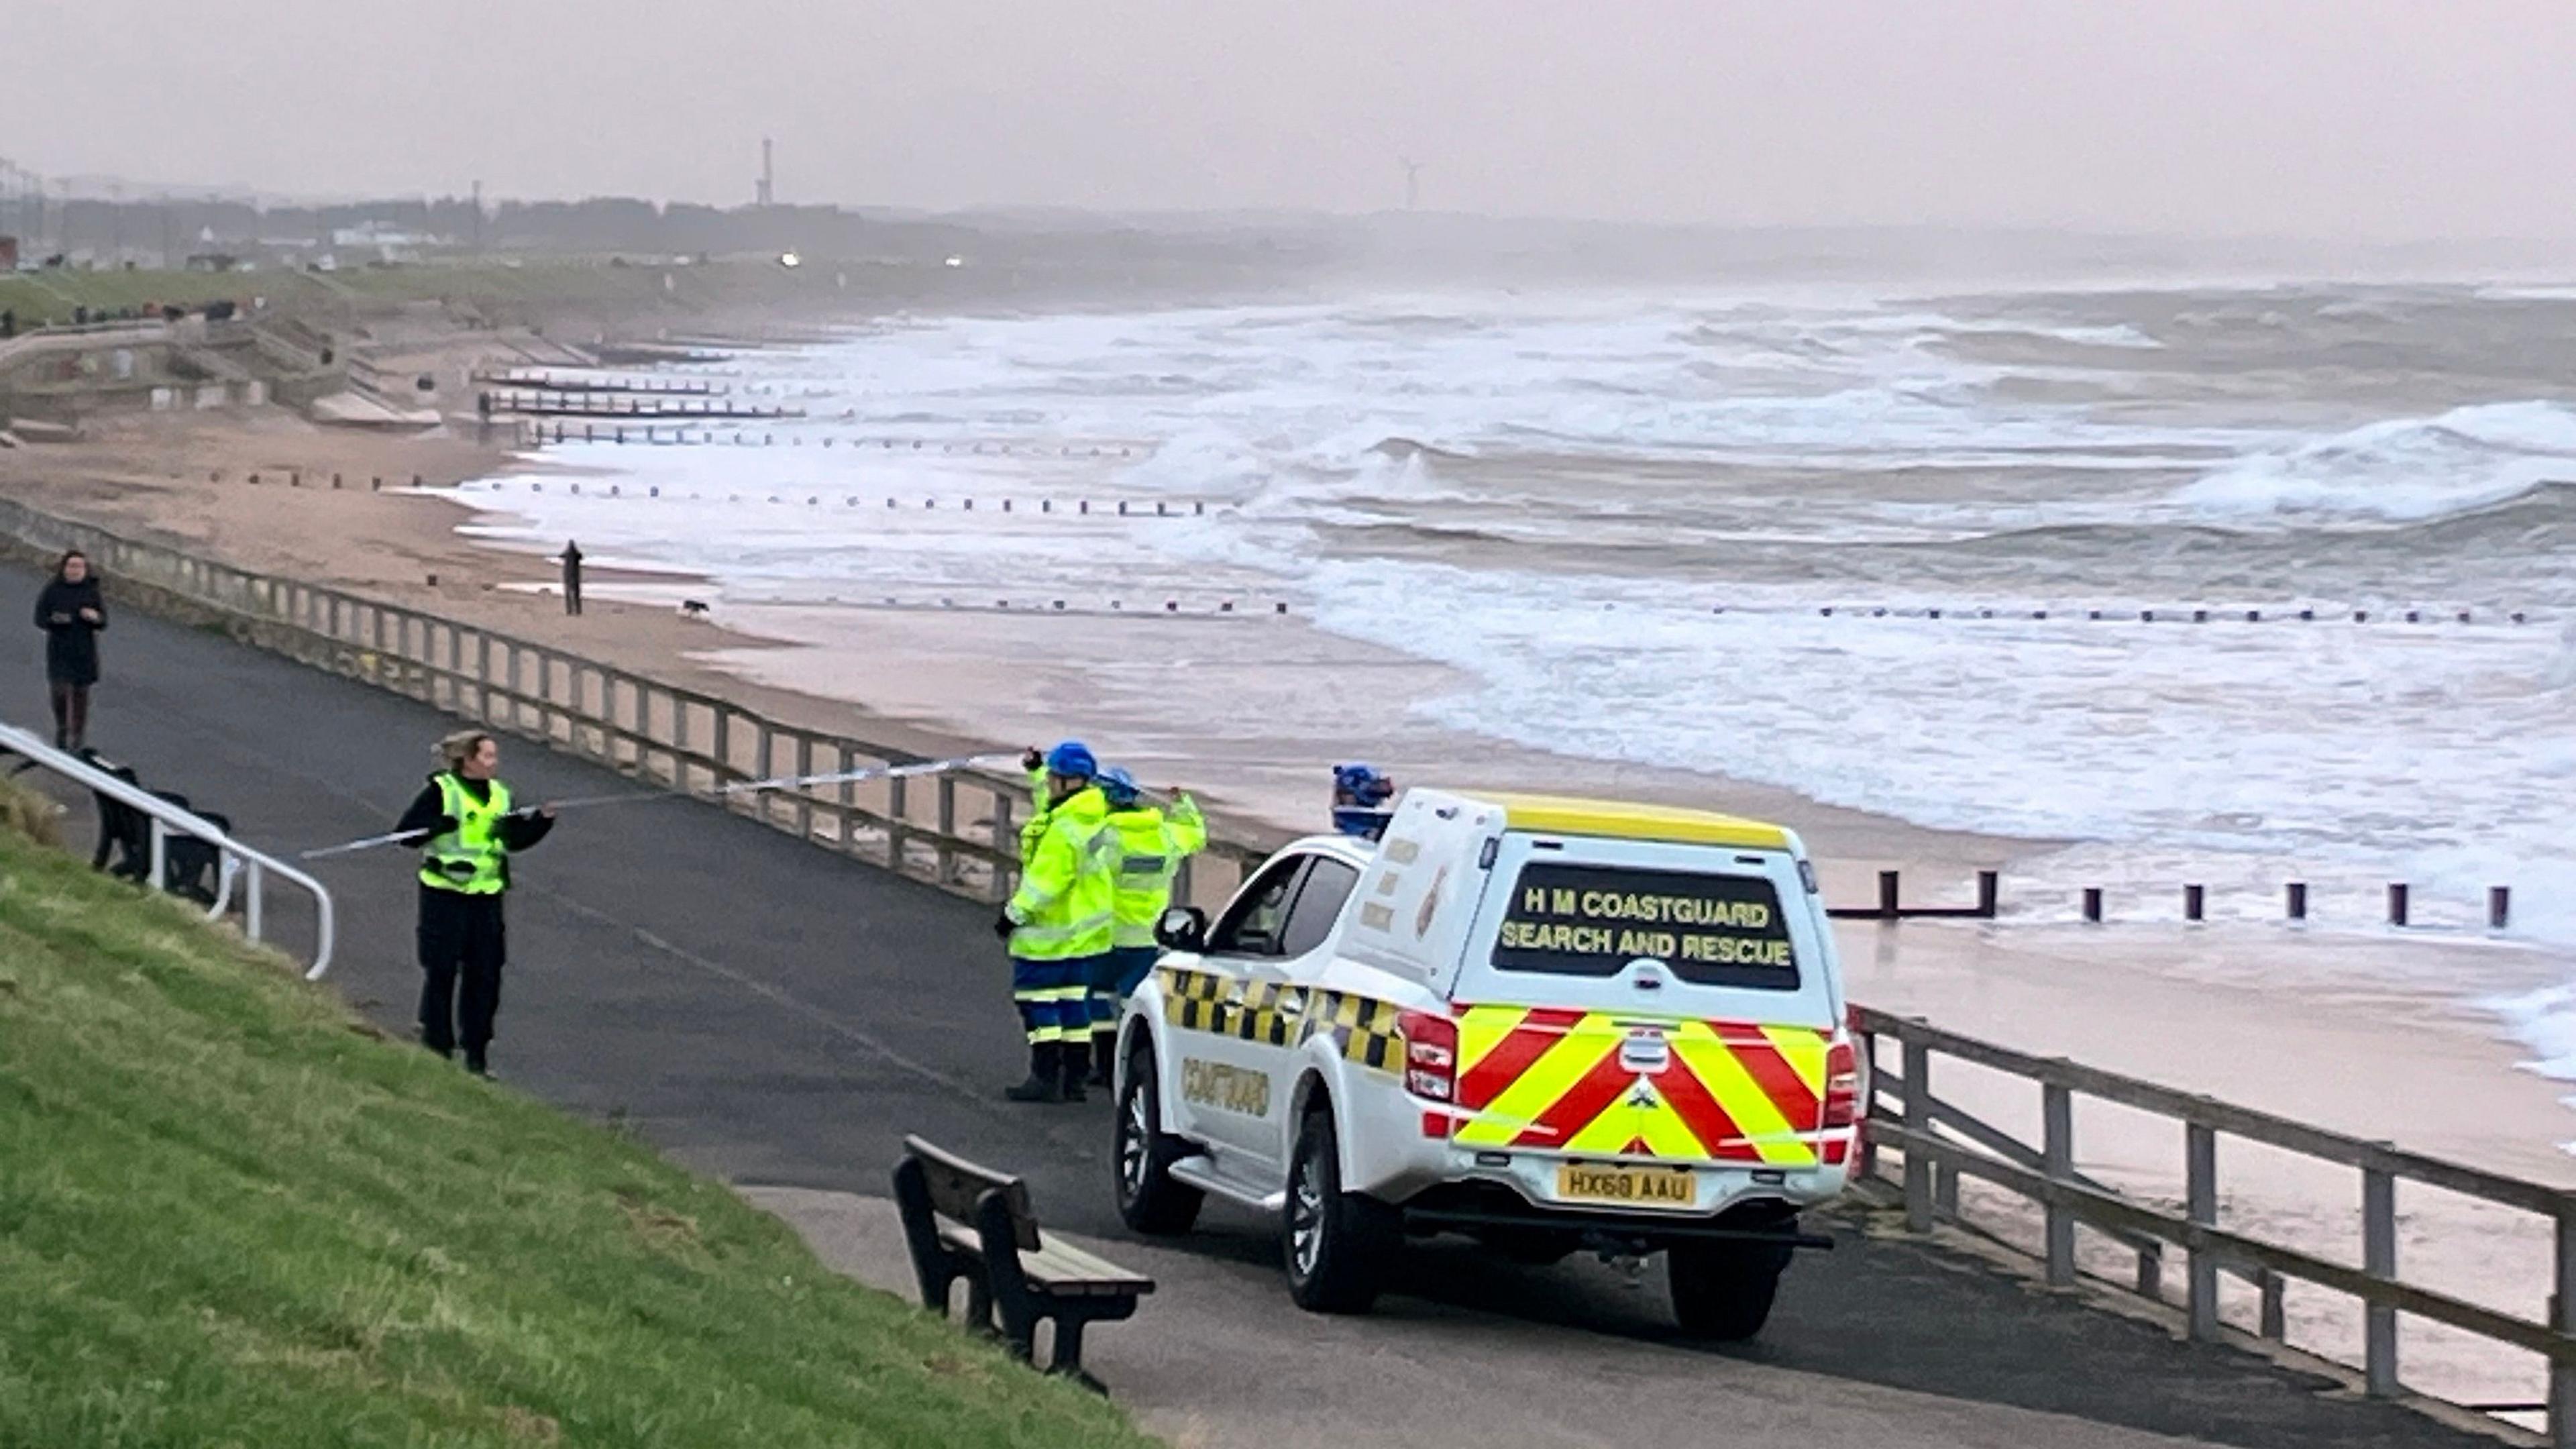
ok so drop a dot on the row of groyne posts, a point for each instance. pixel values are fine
(533, 395)
(295, 479)
(536, 432)
(2195, 903)
(1078, 507)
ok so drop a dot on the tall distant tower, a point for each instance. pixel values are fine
(1412, 180)
(767, 195)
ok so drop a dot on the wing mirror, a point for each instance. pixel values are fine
(1182, 928)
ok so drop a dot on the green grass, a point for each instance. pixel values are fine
(28, 813)
(42, 296)
(233, 1215)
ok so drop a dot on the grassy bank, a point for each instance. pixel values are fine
(232, 1215)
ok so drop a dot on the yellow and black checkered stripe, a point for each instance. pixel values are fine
(1362, 1028)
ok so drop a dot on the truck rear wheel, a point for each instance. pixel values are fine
(1150, 1200)
(1337, 1243)
(1723, 1289)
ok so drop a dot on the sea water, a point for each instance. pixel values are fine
(1853, 545)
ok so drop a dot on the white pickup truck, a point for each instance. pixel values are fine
(1548, 1024)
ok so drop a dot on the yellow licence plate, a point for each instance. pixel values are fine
(1641, 1186)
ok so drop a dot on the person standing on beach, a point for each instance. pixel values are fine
(467, 831)
(572, 577)
(71, 611)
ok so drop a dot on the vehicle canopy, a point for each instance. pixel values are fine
(1493, 896)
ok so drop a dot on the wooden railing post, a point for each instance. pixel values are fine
(1867, 1046)
(849, 793)
(998, 889)
(680, 777)
(2379, 1260)
(947, 798)
(2562, 1316)
(2057, 1159)
(2200, 1193)
(1918, 1126)
(804, 793)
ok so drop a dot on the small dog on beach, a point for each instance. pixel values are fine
(693, 606)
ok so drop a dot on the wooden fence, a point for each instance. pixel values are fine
(957, 830)
(1939, 1144)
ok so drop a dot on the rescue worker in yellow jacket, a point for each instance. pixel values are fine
(1152, 843)
(1058, 922)
(467, 831)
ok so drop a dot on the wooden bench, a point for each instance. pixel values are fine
(965, 1221)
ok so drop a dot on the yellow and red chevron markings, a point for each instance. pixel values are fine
(1558, 1079)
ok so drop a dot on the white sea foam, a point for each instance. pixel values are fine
(2402, 470)
(1417, 472)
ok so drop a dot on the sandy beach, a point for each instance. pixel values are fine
(2329, 1029)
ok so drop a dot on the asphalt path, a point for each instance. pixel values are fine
(772, 1014)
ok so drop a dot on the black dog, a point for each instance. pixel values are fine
(190, 867)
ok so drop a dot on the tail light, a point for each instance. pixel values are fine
(1430, 1054)
(1842, 1084)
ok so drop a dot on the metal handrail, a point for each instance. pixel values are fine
(2046, 1175)
(254, 867)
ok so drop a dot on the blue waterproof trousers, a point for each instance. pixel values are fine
(1050, 995)
(1114, 976)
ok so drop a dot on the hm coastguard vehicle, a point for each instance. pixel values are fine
(1548, 1024)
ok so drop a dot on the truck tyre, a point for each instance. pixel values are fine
(1149, 1200)
(1723, 1289)
(1337, 1243)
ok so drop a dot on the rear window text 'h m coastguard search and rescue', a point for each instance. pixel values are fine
(1711, 930)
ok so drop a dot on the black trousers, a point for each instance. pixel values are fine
(71, 715)
(461, 938)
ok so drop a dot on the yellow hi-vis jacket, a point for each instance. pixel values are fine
(470, 859)
(1151, 847)
(1062, 909)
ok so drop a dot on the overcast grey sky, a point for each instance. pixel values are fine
(2362, 118)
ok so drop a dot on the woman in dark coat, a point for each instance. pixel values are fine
(71, 611)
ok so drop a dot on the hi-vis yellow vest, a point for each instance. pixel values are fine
(1151, 847)
(1062, 909)
(468, 859)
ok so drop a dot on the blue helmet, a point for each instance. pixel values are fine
(1073, 760)
(1119, 786)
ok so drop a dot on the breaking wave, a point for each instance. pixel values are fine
(2405, 470)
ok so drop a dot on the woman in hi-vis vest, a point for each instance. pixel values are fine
(467, 831)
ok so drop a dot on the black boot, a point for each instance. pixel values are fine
(1103, 1043)
(1042, 1086)
(1077, 1065)
(475, 1063)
